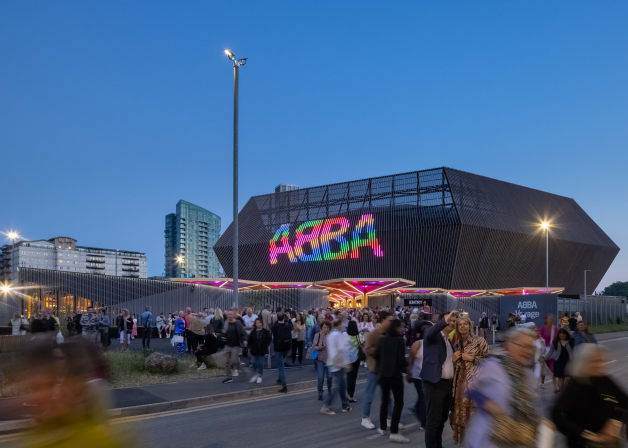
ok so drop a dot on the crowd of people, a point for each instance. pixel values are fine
(488, 401)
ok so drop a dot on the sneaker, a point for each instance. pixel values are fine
(381, 432)
(227, 380)
(259, 379)
(283, 390)
(347, 409)
(367, 423)
(352, 400)
(236, 373)
(253, 379)
(202, 367)
(398, 438)
(326, 411)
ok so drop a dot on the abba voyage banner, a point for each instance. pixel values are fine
(535, 307)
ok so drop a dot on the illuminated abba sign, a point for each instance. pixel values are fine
(319, 234)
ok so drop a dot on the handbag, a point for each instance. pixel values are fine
(313, 354)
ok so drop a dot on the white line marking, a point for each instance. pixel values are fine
(611, 361)
(614, 339)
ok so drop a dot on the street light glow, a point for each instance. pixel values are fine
(5, 289)
(545, 225)
(12, 235)
(229, 54)
(179, 259)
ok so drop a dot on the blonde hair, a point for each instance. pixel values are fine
(582, 356)
(465, 318)
(218, 314)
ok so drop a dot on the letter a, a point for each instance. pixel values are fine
(365, 224)
(282, 233)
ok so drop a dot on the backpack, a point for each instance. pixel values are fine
(283, 337)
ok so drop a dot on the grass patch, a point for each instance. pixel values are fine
(609, 328)
(127, 370)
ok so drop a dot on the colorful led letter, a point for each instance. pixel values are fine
(327, 235)
(311, 238)
(282, 232)
(365, 224)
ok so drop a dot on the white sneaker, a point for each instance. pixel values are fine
(326, 411)
(367, 423)
(253, 378)
(235, 373)
(202, 367)
(398, 438)
(381, 432)
(259, 379)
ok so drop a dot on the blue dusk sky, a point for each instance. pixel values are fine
(112, 111)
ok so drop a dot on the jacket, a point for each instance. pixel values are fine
(554, 353)
(390, 355)
(370, 346)
(259, 342)
(337, 353)
(282, 336)
(320, 345)
(583, 338)
(434, 353)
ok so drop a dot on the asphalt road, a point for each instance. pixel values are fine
(292, 420)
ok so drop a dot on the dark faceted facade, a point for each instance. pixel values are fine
(441, 228)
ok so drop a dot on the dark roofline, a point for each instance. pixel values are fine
(112, 250)
(445, 168)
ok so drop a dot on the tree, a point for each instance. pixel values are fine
(616, 289)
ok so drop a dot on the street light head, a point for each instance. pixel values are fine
(230, 55)
(179, 259)
(5, 289)
(12, 235)
(545, 225)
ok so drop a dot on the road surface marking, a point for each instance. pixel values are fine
(614, 339)
(611, 361)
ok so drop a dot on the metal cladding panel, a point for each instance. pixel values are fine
(501, 243)
(411, 215)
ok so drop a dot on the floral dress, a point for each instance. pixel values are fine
(464, 371)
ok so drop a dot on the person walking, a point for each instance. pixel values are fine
(197, 330)
(582, 335)
(469, 350)
(391, 363)
(548, 332)
(372, 379)
(599, 422)
(16, 324)
(561, 352)
(437, 374)
(310, 329)
(415, 362)
(298, 340)
(354, 350)
(133, 326)
(337, 362)
(235, 338)
(484, 326)
(504, 393)
(282, 341)
(258, 342)
(319, 347)
(146, 322)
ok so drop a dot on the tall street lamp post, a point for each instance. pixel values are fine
(546, 226)
(237, 63)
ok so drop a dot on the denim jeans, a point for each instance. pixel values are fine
(322, 372)
(419, 407)
(281, 359)
(258, 364)
(371, 384)
(339, 386)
